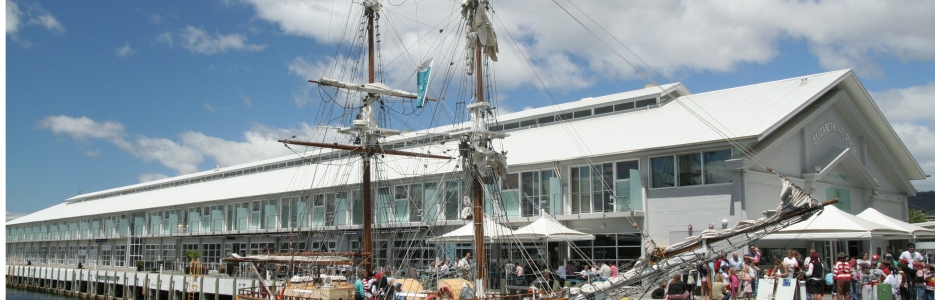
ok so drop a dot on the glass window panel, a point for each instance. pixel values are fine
(644, 103)
(511, 181)
(689, 169)
(624, 167)
(663, 171)
(623, 106)
(603, 110)
(565, 116)
(575, 191)
(510, 126)
(582, 113)
(527, 123)
(715, 169)
(530, 192)
(545, 191)
(451, 200)
(416, 209)
(548, 119)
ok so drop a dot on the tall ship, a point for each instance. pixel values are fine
(373, 134)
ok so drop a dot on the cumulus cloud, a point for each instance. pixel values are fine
(125, 50)
(674, 37)
(192, 148)
(17, 19)
(198, 41)
(147, 177)
(909, 111)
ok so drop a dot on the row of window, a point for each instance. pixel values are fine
(603, 187)
(690, 169)
(576, 114)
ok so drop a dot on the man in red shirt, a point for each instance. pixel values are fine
(842, 276)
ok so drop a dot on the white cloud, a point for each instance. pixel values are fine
(125, 50)
(17, 19)
(674, 37)
(914, 104)
(10, 216)
(13, 15)
(147, 177)
(198, 41)
(909, 111)
(192, 148)
(49, 22)
(166, 38)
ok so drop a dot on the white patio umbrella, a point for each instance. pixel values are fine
(875, 216)
(465, 234)
(548, 229)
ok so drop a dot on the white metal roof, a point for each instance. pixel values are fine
(749, 111)
(741, 112)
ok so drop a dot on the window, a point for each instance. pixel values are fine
(530, 192)
(510, 126)
(629, 188)
(211, 254)
(168, 252)
(416, 207)
(623, 106)
(691, 168)
(401, 203)
(617, 248)
(591, 188)
(582, 113)
(715, 168)
(644, 103)
(603, 110)
(544, 120)
(120, 253)
(843, 195)
(565, 116)
(525, 123)
(451, 200)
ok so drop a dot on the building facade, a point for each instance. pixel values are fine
(659, 158)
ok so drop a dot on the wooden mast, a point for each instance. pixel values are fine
(476, 186)
(367, 193)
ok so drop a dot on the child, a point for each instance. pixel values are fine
(734, 284)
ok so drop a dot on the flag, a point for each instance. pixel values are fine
(423, 72)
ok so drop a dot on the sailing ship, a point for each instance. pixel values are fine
(466, 153)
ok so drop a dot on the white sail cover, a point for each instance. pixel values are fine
(374, 88)
(548, 229)
(465, 234)
(479, 30)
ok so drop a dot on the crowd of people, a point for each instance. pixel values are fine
(847, 278)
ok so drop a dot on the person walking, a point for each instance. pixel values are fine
(842, 277)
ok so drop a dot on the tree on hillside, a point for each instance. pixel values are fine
(917, 216)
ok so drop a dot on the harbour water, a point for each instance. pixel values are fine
(17, 294)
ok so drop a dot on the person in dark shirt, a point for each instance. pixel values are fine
(660, 292)
(678, 290)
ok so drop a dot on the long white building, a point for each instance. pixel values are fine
(669, 171)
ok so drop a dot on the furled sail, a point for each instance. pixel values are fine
(373, 88)
(481, 30)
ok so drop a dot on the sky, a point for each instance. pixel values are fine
(103, 94)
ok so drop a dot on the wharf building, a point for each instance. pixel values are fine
(597, 165)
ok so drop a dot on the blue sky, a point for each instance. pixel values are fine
(105, 94)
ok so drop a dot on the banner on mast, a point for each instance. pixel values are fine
(423, 73)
